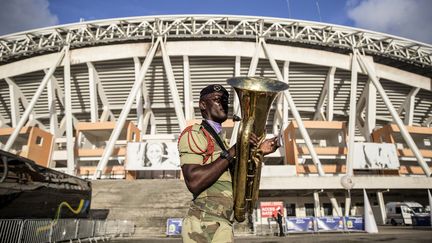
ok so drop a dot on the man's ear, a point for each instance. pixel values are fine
(202, 105)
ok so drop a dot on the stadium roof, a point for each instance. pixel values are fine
(386, 49)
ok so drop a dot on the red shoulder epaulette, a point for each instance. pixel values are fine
(207, 152)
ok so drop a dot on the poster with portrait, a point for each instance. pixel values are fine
(153, 155)
(375, 156)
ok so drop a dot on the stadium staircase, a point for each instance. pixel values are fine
(149, 203)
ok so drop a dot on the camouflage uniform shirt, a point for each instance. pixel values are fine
(216, 202)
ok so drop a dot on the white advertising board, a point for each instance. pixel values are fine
(375, 156)
(152, 156)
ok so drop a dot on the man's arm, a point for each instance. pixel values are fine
(200, 177)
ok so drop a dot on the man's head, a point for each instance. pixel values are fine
(214, 103)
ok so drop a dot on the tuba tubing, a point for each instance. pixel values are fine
(256, 95)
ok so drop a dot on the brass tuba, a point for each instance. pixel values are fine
(256, 95)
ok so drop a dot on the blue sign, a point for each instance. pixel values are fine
(330, 223)
(300, 224)
(174, 226)
(354, 223)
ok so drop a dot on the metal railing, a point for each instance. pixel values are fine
(47, 230)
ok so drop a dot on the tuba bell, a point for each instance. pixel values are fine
(256, 95)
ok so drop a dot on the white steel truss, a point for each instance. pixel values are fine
(20, 45)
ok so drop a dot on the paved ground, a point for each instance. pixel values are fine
(386, 234)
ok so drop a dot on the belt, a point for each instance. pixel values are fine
(198, 213)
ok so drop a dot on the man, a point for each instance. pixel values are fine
(277, 215)
(205, 166)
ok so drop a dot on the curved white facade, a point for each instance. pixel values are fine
(97, 69)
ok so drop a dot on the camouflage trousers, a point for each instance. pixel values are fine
(215, 230)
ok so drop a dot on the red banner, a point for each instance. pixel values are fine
(267, 208)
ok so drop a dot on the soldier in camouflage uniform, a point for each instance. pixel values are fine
(205, 168)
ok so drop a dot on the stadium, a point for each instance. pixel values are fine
(91, 99)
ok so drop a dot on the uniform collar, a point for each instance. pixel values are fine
(217, 127)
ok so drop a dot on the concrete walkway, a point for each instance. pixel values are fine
(386, 234)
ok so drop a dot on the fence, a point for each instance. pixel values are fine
(47, 230)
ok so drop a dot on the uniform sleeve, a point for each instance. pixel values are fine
(191, 145)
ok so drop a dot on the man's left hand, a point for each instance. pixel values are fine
(269, 146)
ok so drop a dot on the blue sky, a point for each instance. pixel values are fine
(406, 18)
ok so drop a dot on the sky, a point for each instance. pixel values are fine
(410, 19)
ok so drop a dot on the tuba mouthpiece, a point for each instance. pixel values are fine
(236, 118)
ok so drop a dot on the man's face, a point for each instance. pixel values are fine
(215, 106)
(154, 153)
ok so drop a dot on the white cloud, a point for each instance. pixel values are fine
(20, 15)
(406, 18)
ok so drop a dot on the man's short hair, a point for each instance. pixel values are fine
(213, 88)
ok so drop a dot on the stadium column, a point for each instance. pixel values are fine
(15, 96)
(147, 116)
(93, 92)
(347, 203)
(173, 87)
(285, 115)
(408, 106)
(71, 159)
(251, 72)
(327, 92)
(33, 101)
(2, 121)
(381, 205)
(403, 130)
(97, 91)
(295, 113)
(317, 205)
(125, 111)
(139, 97)
(281, 116)
(334, 203)
(330, 93)
(367, 101)
(352, 115)
(188, 100)
(53, 89)
(236, 106)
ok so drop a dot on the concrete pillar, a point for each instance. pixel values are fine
(334, 204)
(369, 219)
(382, 207)
(317, 207)
(347, 204)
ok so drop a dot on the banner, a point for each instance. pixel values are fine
(300, 224)
(174, 226)
(354, 223)
(375, 156)
(267, 208)
(421, 220)
(330, 223)
(152, 156)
